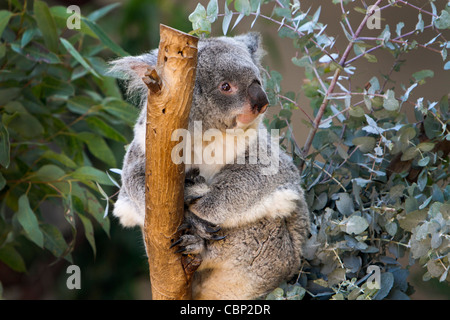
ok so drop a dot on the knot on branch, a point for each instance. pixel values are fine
(152, 80)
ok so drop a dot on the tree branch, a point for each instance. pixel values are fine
(170, 85)
(322, 108)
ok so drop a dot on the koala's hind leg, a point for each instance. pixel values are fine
(130, 205)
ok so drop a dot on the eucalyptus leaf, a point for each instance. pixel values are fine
(88, 231)
(4, 19)
(29, 222)
(54, 241)
(46, 24)
(356, 225)
(226, 20)
(387, 281)
(12, 258)
(4, 146)
(78, 56)
(104, 38)
(390, 103)
(345, 204)
(91, 174)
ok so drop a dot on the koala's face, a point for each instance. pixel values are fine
(228, 91)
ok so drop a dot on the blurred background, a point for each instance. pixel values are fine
(119, 270)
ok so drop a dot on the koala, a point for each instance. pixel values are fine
(247, 225)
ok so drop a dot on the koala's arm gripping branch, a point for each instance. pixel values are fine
(171, 85)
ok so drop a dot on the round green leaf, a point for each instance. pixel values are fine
(356, 225)
(390, 103)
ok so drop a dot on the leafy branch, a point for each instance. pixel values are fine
(377, 185)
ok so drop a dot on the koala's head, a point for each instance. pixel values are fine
(228, 91)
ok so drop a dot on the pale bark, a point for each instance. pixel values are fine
(171, 86)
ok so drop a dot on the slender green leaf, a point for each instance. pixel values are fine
(97, 14)
(29, 222)
(49, 173)
(3, 181)
(54, 241)
(122, 110)
(92, 174)
(60, 157)
(4, 19)
(226, 20)
(10, 256)
(4, 146)
(46, 24)
(98, 147)
(77, 56)
(88, 231)
(101, 127)
(22, 122)
(53, 86)
(28, 35)
(105, 39)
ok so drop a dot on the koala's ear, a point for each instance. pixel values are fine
(132, 69)
(253, 42)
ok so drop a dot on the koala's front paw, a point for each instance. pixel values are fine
(189, 244)
(195, 187)
(197, 232)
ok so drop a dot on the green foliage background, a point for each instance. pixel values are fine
(64, 124)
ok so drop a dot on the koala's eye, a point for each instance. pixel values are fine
(226, 87)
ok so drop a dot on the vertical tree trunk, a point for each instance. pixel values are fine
(170, 85)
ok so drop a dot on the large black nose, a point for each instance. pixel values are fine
(258, 98)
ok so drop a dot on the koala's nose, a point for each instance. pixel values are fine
(258, 98)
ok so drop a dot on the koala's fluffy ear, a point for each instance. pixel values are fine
(253, 42)
(132, 69)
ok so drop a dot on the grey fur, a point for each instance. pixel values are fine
(264, 218)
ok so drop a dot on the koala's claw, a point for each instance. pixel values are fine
(189, 244)
(196, 232)
(175, 243)
(200, 227)
(184, 226)
(181, 250)
(217, 238)
(211, 229)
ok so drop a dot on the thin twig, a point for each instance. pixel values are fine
(324, 104)
(298, 106)
(380, 45)
(417, 8)
(346, 19)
